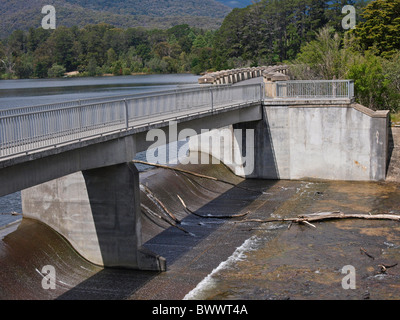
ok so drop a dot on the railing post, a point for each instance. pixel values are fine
(80, 118)
(351, 89)
(262, 91)
(334, 89)
(126, 115)
(212, 98)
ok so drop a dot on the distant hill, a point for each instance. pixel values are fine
(207, 14)
(156, 8)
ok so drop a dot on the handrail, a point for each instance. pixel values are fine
(315, 89)
(30, 130)
(83, 102)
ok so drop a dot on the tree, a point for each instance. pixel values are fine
(334, 14)
(24, 67)
(380, 28)
(7, 61)
(323, 58)
(56, 71)
(92, 67)
(62, 42)
(372, 87)
(117, 68)
(391, 68)
(329, 56)
(36, 37)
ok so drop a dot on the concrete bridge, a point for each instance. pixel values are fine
(73, 162)
(241, 74)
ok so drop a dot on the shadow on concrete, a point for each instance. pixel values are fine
(178, 247)
(109, 284)
(390, 148)
(173, 244)
(265, 164)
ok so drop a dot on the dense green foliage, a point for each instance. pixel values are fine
(159, 8)
(380, 28)
(23, 15)
(272, 31)
(372, 62)
(308, 34)
(103, 49)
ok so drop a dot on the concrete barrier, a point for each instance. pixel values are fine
(240, 74)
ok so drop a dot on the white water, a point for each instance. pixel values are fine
(208, 282)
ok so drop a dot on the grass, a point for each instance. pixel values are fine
(395, 117)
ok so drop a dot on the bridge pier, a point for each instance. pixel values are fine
(98, 212)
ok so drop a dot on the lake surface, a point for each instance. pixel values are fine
(19, 93)
(30, 92)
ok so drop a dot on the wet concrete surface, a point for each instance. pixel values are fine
(306, 263)
(279, 263)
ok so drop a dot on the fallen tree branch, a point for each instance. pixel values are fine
(211, 216)
(195, 174)
(366, 253)
(383, 268)
(323, 216)
(152, 197)
(147, 210)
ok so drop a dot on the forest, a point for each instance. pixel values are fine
(307, 34)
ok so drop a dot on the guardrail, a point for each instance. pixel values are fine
(25, 130)
(81, 102)
(319, 89)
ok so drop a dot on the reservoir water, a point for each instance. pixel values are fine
(31, 92)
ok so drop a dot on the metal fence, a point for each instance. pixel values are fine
(320, 89)
(74, 103)
(24, 130)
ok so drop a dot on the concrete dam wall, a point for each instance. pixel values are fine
(299, 141)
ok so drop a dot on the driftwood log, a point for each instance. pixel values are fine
(211, 216)
(323, 216)
(149, 212)
(153, 197)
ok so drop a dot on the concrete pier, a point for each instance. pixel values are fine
(98, 211)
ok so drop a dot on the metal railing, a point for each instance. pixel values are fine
(25, 130)
(74, 103)
(319, 89)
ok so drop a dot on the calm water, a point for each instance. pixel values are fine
(19, 93)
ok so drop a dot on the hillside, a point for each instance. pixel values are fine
(156, 8)
(207, 14)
